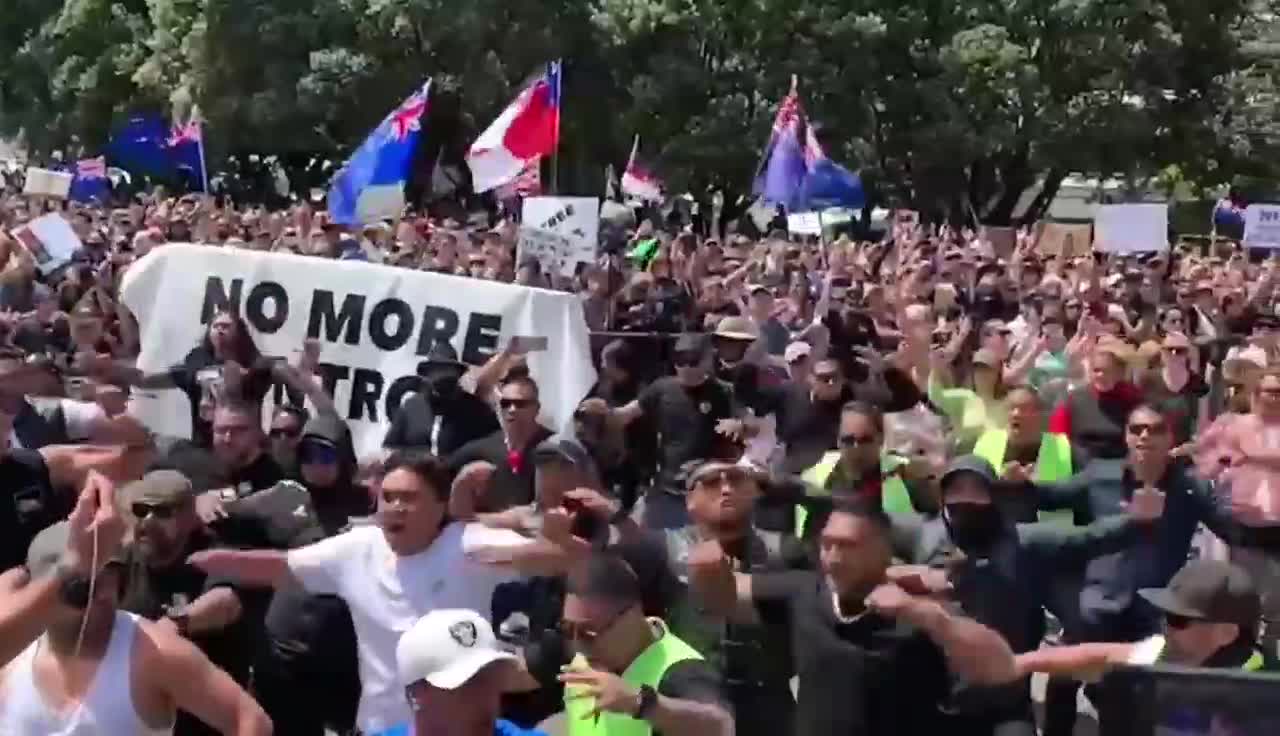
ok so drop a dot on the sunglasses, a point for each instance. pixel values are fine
(577, 631)
(317, 454)
(161, 511)
(515, 403)
(857, 440)
(1141, 429)
(720, 476)
(1174, 621)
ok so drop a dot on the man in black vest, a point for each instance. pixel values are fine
(443, 416)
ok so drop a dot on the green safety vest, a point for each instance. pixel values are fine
(647, 669)
(1255, 663)
(894, 496)
(1053, 462)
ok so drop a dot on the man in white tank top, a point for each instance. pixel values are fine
(97, 671)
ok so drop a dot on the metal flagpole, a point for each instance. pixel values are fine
(555, 155)
(204, 169)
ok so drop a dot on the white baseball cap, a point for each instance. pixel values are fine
(448, 647)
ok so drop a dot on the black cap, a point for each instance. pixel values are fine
(1209, 590)
(441, 354)
(692, 343)
(969, 464)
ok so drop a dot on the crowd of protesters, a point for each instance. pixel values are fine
(849, 486)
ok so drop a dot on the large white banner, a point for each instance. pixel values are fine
(1262, 226)
(375, 324)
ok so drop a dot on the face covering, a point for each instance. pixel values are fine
(444, 385)
(973, 526)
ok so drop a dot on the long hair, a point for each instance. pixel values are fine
(243, 350)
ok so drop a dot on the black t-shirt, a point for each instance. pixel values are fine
(511, 485)
(865, 676)
(199, 371)
(464, 418)
(28, 503)
(686, 420)
(259, 475)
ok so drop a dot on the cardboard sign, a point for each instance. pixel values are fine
(1069, 240)
(1262, 226)
(50, 240)
(577, 219)
(46, 183)
(553, 251)
(1003, 240)
(1131, 228)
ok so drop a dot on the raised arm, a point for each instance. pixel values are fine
(199, 687)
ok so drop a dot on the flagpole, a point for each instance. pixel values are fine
(555, 155)
(204, 169)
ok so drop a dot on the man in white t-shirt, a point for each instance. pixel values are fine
(390, 575)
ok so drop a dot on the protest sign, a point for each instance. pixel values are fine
(46, 183)
(1069, 240)
(808, 223)
(577, 219)
(375, 324)
(1003, 239)
(1262, 226)
(1131, 228)
(553, 251)
(50, 240)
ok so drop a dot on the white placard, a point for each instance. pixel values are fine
(1131, 228)
(577, 219)
(552, 250)
(375, 324)
(50, 240)
(46, 183)
(1262, 226)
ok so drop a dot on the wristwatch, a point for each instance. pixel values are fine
(73, 586)
(648, 699)
(180, 618)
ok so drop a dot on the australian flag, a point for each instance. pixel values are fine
(141, 146)
(371, 184)
(186, 153)
(796, 172)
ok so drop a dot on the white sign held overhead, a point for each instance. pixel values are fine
(1131, 228)
(375, 324)
(1262, 226)
(50, 241)
(552, 250)
(576, 219)
(46, 183)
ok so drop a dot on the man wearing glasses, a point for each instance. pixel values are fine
(1109, 606)
(161, 586)
(631, 675)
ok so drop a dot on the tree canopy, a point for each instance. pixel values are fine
(971, 107)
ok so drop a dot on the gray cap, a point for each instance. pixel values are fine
(48, 547)
(562, 448)
(969, 464)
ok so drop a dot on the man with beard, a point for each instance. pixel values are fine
(245, 465)
(305, 676)
(390, 575)
(1001, 573)
(444, 417)
(161, 586)
(98, 670)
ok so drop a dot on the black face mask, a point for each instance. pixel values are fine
(974, 526)
(444, 386)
